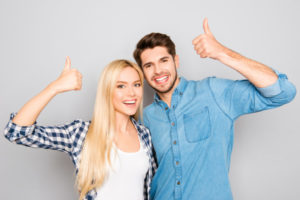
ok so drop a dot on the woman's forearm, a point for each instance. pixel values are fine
(69, 79)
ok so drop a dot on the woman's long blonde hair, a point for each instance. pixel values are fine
(95, 154)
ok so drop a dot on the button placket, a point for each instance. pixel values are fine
(176, 154)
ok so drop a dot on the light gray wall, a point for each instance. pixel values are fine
(35, 37)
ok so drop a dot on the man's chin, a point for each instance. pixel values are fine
(162, 91)
(167, 88)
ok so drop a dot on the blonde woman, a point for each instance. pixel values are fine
(112, 153)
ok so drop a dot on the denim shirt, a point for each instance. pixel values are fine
(193, 137)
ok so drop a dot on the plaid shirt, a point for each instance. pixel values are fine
(69, 138)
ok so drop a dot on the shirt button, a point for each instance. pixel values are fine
(180, 93)
(178, 182)
(166, 108)
(174, 142)
(173, 123)
(177, 162)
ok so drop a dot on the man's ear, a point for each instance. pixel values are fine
(176, 60)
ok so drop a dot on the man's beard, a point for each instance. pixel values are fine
(171, 86)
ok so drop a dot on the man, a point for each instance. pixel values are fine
(192, 122)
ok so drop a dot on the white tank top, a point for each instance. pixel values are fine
(125, 179)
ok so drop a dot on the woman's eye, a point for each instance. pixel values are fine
(137, 85)
(120, 86)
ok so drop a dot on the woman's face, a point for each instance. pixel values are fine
(128, 92)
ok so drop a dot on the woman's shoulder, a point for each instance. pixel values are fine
(139, 125)
(77, 123)
(143, 131)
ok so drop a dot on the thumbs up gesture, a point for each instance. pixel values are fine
(69, 79)
(206, 44)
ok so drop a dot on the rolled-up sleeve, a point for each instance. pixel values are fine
(281, 85)
(62, 137)
(13, 132)
(241, 97)
(271, 90)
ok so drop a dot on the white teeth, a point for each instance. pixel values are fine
(129, 102)
(162, 78)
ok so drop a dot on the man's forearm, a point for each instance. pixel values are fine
(207, 46)
(258, 74)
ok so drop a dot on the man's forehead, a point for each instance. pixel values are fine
(154, 54)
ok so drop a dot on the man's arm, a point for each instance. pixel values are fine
(208, 47)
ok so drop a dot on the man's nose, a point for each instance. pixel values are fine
(157, 69)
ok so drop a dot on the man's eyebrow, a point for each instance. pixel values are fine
(164, 57)
(147, 63)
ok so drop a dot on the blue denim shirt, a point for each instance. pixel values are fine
(193, 137)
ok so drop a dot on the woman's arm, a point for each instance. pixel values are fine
(69, 79)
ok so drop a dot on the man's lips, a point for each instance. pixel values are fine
(161, 79)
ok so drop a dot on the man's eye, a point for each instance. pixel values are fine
(120, 86)
(165, 60)
(147, 66)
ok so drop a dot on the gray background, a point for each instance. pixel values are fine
(36, 36)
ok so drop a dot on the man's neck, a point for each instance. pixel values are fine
(167, 97)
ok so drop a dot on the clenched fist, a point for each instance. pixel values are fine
(69, 79)
(206, 44)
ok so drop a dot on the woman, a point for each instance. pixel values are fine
(112, 153)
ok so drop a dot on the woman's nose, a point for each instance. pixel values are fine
(131, 91)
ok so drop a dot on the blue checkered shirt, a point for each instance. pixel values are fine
(69, 138)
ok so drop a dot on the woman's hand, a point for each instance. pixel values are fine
(69, 79)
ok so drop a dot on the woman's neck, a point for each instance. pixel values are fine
(123, 123)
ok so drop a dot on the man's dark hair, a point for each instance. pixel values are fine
(153, 40)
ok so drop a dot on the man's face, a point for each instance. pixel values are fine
(159, 69)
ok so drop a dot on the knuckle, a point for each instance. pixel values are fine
(203, 54)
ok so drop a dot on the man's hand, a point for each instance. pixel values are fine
(206, 44)
(69, 79)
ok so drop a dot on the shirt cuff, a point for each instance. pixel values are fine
(13, 131)
(273, 89)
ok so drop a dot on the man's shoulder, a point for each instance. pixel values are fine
(199, 81)
(213, 81)
(200, 84)
(149, 108)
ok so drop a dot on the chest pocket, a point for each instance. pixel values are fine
(197, 126)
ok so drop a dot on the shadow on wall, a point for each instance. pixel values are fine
(148, 94)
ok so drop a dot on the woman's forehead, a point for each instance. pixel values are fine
(128, 74)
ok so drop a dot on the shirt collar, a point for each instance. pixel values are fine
(178, 90)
